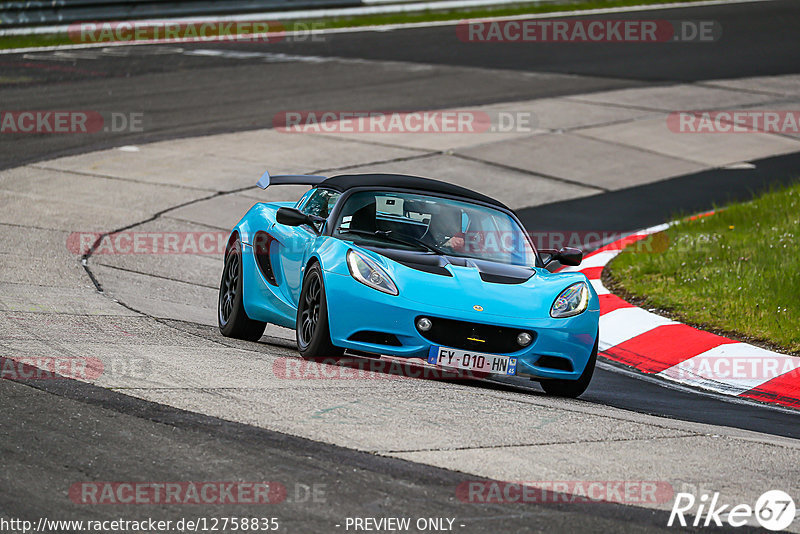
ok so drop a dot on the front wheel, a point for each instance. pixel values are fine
(573, 388)
(313, 332)
(231, 317)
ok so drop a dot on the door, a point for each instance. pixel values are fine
(295, 242)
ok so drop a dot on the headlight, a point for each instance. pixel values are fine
(571, 301)
(369, 273)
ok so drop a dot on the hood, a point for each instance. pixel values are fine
(489, 271)
(473, 286)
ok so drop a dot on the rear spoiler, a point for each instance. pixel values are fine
(289, 179)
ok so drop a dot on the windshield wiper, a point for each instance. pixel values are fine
(387, 234)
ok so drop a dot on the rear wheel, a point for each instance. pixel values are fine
(231, 317)
(313, 332)
(573, 388)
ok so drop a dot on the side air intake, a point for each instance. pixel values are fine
(262, 244)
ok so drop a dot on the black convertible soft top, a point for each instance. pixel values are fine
(344, 182)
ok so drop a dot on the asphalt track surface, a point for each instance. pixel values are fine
(185, 95)
(192, 95)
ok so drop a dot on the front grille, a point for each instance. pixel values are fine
(475, 337)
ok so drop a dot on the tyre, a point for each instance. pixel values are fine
(313, 331)
(232, 319)
(573, 388)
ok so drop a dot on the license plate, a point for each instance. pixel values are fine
(473, 361)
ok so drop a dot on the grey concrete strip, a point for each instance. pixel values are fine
(676, 98)
(98, 330)
(224, 162)
(788, 85)
(425, 141)
(224, 211)
(787, 126)
(706, 149)
(507, 121)
(202, 267)
(600, 165)
(555, 114)
(160, 297)
(64, 201)
(16, 298)
(514, 188)
(22, 260)
(27, 270)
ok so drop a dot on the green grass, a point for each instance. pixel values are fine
(737, 271)
(30, 41)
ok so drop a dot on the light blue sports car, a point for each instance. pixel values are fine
(411, 267)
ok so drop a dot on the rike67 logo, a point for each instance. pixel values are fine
(774, 510)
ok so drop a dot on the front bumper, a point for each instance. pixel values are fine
(354, 307)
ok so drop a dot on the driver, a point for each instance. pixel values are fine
(444, 231)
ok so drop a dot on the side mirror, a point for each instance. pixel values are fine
(291, 217)
(569, 256)
(565, 256)
(295, 217)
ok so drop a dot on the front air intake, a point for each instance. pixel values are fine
(554, 362)
(376, 338)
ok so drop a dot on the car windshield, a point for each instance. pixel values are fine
(414, 221)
